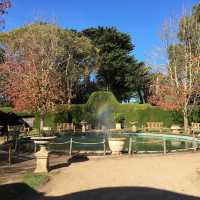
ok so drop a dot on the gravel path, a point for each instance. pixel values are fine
(176, 173)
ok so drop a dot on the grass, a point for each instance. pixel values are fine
(34, 179)
(25, 184)
(11, 110)
(6, 109)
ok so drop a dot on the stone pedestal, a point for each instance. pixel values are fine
(175, 129)
(134, 129)
(42, 156)
(118, 126)
(42, 160)
(83, 124)
(83, 128)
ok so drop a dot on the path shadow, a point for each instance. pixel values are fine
(78, 158)
(58, 166)
(24, 192)
(18, 191)
(16, 158)
(73, 159)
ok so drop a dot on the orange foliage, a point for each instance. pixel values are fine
(30, 88)
(168, 96)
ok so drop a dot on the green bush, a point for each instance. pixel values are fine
(78, 113)
(119, 117)
(177, 117)
(99, 109)
(102, 108)
(104, 105)
(98, 100)
(195, 114)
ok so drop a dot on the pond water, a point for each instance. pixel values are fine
(141, 142)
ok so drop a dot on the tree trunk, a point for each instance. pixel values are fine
(41, 122)
(140, 96)
(69, 101)
(185, 116)
(107, 88)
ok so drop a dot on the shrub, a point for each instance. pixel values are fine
(119, 117)
(98, 100)
(195, 115)
(102, 108)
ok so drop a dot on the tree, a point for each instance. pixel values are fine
(42, 63)
(79, 61)
(180, 88)
(139, 79)
(33, 82)
(116, 62)
(4, 5)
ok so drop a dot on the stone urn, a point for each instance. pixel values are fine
(116, 145)
(42, 156)
(133, 126)
(175, 128)
(83, 124)
(118, 126)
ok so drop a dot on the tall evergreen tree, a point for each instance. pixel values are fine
(117, 67)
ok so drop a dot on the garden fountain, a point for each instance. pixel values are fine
(116, 144)
(42, 156)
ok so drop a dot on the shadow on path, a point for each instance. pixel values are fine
(73, 159)
(24, 192)
(78, 158)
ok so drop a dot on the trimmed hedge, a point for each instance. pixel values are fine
(102, 108)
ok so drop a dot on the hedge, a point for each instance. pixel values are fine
(102, 108)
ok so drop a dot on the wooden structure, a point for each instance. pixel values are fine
(19, 129)
(195, 127)
(157, 126)
(64, 127)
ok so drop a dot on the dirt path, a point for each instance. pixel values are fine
(175, 173)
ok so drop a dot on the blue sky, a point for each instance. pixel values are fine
(142, 19)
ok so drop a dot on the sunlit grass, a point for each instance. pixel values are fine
(34, 179)
(6, 109)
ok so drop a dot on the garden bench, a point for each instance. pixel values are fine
(195, 127)
(18, 129)
(153, 126)
(64, 127)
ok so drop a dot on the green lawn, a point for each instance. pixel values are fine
(34, 179)
(6, 109)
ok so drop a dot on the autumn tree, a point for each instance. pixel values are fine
(4, 5)
(179, 89)
(42, 64)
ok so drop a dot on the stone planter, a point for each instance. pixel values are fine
(133, 126)
(175, 129)
(134, 129)
(118, 126)
(42, 156)
(116, 145)
(83, 124)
